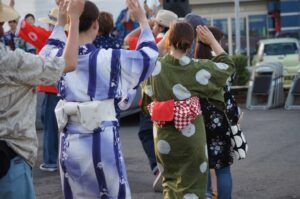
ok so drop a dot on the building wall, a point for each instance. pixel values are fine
(226, 9)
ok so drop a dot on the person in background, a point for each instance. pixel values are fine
(30, 19)
(152, 12)
(162, 22)
(105, 38)
(195, 20)
(50, 131)
(218, 120)
(125, 24)
(179, 131)
(20, 73)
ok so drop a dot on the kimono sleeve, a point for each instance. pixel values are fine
(55, 44)
(138, 65)
(120, 71)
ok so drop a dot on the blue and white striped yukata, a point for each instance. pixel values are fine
(91, 161)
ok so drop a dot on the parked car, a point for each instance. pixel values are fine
(284, 50)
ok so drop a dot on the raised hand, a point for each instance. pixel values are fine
(57, 2)
(12, 3)
(204, 35)
(62, 13)
(137, 12)
(75, 8)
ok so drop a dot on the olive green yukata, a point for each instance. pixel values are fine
(182, 155)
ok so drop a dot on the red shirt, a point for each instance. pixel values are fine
(132, 42)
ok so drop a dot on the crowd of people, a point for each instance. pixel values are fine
(90, 69)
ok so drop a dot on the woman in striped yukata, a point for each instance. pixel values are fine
(90, 156)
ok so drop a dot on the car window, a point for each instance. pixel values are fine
(280, 49)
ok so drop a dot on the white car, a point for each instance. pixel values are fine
(284, 50)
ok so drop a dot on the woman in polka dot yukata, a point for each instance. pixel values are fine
(172, 95)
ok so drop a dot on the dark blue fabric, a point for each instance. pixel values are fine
(55, 42)
(86, 49)
(108, 41)
(67, 189)
(224, 183)
(118, 158)
(97, 159)
(149, 44)
(50, 146)
(92, 73)
(145, 69)
(114, 73)
(146, 138)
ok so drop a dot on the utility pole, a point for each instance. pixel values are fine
(237, 27)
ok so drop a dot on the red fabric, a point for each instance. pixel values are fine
(184, 112)
(47, 89)
(36, 36)
(132, 42)
(162, 111)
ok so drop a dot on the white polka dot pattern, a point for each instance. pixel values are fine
(157, 69)
(189, 130)
(203, 76)
(185, 60)
(203, 167)
(181, 92)
(160, 168)
(222, 66)
(163, 147)
(234, 129)
(190, 196)
(238, 141)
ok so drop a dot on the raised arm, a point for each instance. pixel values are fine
(206, 36)
(75, 8)
(126, 69)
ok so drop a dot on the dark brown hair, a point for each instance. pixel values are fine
(89, 15)
(181, 35)
(203, 51)
(106, 23)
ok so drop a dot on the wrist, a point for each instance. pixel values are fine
(74, 18)
(144, 23)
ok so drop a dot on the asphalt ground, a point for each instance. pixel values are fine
(270, 171)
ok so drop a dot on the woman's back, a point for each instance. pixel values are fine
(182, 79)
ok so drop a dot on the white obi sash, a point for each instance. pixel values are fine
(89, 114)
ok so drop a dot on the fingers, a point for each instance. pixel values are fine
(132, 4)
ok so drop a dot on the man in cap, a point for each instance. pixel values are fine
(20, 73)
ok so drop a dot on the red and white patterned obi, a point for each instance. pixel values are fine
(182, 113)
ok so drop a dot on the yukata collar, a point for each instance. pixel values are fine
(86, 49)
(185, 60)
